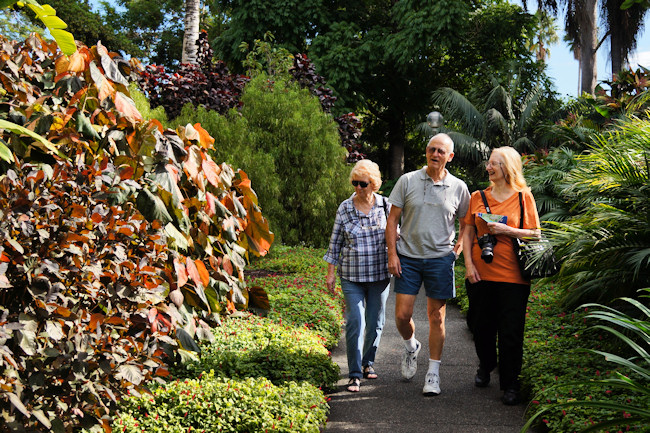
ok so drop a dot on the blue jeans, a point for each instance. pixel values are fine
(365, 315)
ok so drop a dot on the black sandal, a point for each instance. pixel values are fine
(369, 372)
(353, 383)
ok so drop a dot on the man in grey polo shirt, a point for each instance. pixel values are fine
(429, 201)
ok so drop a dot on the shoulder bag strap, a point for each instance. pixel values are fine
(521, 206)
(485, 202)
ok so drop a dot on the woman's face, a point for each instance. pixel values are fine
(494, 168)
(362, 185)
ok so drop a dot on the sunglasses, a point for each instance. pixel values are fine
(360, 183)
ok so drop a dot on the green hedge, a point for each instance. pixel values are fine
(291, 151)
(213, 404)
(252, 346)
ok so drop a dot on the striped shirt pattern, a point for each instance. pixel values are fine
(358, 242)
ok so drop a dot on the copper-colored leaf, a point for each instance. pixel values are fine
(126, 106)
(77, 62)
(77, 211)
(210, 204)
(192, 272)
(203, 272)
(258, 298)
(227, 265)
(206, 139)
(177, 297)
(211, 170)
(181, 273)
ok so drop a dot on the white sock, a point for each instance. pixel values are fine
(411, 344)
(434, 366)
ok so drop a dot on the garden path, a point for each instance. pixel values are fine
(390, 404)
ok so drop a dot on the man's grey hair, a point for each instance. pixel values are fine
(441, 136)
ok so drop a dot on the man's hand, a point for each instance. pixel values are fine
(394, 265)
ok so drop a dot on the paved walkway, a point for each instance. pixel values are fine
(390, 404)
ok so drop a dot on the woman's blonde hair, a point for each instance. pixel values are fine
(366, 167)
(512, 168)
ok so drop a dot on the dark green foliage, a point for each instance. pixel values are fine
(229, 405)
(291, 148)
(154, 26)
(292, 22)
(251, 346)
(600, 200)
(383, 58)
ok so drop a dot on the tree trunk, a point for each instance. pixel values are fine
(191, 31)
(396, 144)
(588, 43)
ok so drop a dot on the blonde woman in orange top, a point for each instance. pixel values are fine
(497, 292)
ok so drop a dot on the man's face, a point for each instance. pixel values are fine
(438, 154)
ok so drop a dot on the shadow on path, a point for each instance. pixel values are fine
(390, 404)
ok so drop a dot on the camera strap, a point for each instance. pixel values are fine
(485, 203)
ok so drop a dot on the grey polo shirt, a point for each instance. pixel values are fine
(428, 213)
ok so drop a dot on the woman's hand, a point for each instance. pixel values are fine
(330, 282)
(499, 229)
(471, 273)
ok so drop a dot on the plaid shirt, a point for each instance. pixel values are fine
(358, 242)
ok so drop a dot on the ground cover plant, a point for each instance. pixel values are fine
(297, 291)
(632, 377)
(251, 346)
(558, 368)
(213, 404)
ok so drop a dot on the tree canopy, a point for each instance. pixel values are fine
(385, 58)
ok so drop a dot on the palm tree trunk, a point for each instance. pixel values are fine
(588, 42)
(191, 31)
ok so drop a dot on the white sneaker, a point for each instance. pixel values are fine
(431, 385)
(410, 362)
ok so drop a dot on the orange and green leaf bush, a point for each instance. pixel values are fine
(120, 242)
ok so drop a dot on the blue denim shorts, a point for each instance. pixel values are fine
(436, 274)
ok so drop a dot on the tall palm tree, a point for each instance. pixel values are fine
(622, 26)
(545, 35)
(191, 35)
(581, 26)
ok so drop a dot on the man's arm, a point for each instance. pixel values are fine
(394, 266)
(458, 248)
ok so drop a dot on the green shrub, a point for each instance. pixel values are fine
(292, 152)
(251, 346)
(292, 259)
(143, 106)
(212, 404)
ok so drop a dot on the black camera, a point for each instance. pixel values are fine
(487, 243)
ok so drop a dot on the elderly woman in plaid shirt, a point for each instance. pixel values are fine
(358, 248)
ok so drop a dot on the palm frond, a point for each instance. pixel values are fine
(469, 148)
(456, 107)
